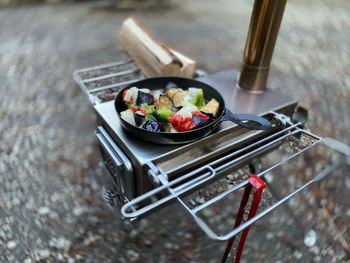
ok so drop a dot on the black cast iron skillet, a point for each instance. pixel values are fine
(248, 121)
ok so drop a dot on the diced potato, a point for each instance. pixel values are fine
(178, 98)
(165, 102)
(171, 92)
(212, 107)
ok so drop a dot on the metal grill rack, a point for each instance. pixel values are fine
(101, 83)
(297, 140)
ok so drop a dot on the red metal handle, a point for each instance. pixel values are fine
(259, 185)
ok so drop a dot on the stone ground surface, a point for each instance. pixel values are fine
(50, 205)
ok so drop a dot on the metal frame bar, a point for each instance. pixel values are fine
(91, 93)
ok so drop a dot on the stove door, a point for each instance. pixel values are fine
(120, 168)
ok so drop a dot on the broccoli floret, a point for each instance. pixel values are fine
(163, 115)
(199, 100)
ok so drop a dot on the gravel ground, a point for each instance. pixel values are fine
(50, 205)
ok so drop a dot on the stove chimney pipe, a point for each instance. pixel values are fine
(262, 34)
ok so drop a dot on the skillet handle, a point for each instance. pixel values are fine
(248, 121)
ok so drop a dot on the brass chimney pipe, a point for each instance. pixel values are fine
(262, 34)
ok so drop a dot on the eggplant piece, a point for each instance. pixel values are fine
(170, 89)
(178, 98)
(211, 108)
(143, 97)
(200, 119)
(165, 102)
(152, 125)
(139, 118)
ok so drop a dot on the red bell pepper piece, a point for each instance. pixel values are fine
(180, 123)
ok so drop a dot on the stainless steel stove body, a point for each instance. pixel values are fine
(141, 153)
(147, 176)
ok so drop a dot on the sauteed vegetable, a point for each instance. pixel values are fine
(170, 110)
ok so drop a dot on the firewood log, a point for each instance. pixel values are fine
(152, 56)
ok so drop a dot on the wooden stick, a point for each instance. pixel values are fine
(188, 65)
